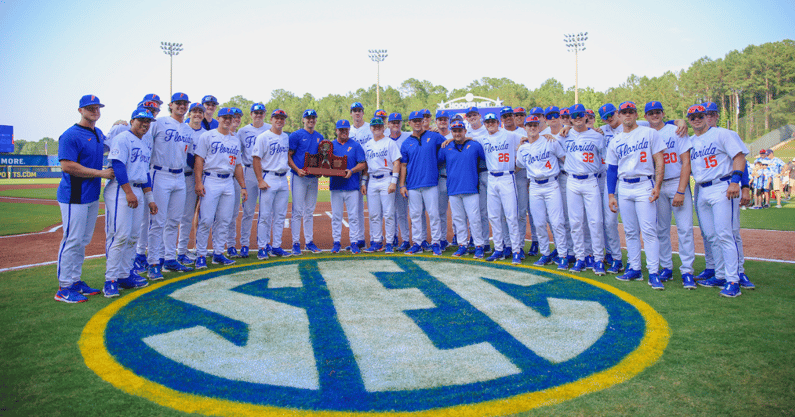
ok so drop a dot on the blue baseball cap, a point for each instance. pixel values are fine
(179, 97)
(153, 97)
(279, 112)
(237, 112)
(653, 105)
(472, 109)
(425, 112)
(506, 110)
(577, 108)
(309, 113)
(607, 110)
(377, 121)
(564, 110)
(696, 109)
(225, 111)
(458, 116)
(627, 105)
(395, 117)
(196, 106)
(149, 104)
(441, 114)
(258, 107)
(209, 99)
(380, 113)
(343, 124)
(90, 100)
(415, 115)
(549, 110)
(710, 106)
(538, 110)
(589, 112)
(458, 124)
(142, 113)
(531, 119)
(357, 105)
(490, 116)
(519, 110)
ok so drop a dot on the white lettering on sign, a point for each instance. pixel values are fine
(278, 350)
(572, 326)
(392, 352)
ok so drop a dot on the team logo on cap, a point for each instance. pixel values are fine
(627, 105)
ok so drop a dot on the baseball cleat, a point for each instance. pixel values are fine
(437, 249)
(232, 252)
(201, 262)
(185, 260)
(244, 251)
(654, 281)
(521, 253)
(312, 247)
(608, 259)
(579, 266)
(462, 250)
(731, 289)
(83, 288)
(712, 282)
(563, 264)
(471, 246)
(220, 259)
(280, 252)
(589, 262)
(516, 258)
(415, 248)
(479, 252)
(630, 275)
(533, 249)
(688, 282)
(615, 268)
(744, 282)
(443, 244)
(262, 254)
(404, 246)
(336, 248)
(111, 289)
(296, 249)
(571, 259)
(68, 295)
(139, 264)
(496, 256)
(454, 242)
(543, 260)
(389, 248)
(154, 272)
(425, 246)
(599, 268)
(506, 250)
(666, 274)
(133, 281)
(355, 249)
(361, 244)
(173, 265)
(705, 274)
(374, 247)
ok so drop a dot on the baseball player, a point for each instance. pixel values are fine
(210, 103)
(360, 132)
(477, 131)
(270, 155)
(247, 135)
(80, 154)
(553, 116)
(196, 116)
(172, 140)
(152, 103)
(583, 162)
(130, 186)
(674, 197)
(381, 114)
(541, 161)
(383, 170)
(519, 116)
(419, 178)
(396, 133)
(217, 160)
(613, 256)
(633, 156)
(717, 163)
(304, 186)
(461, 156)
(443, 128)
(523, 202)
(499, 147)
(231, 234)
(345, 190)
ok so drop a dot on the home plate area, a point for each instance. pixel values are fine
(372, 334)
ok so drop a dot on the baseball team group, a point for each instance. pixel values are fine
(497, 174)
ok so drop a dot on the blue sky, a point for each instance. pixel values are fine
(54, 52)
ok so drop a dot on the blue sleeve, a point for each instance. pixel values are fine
(440, 157)
(293, 144)
(612, 178)
(148, 183)
(120, 171)
(360, 154)
(68, 147)
(191, 160)
(481, 152)
(671, 122)
(404, 156)
(745, 179)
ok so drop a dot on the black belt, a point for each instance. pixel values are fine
(563, 172)
(377, 177)
(499, 174)
(669, 179)
(278, 174)
(248, 165)
(138, 185)
(713, 182)
(188, 174)
(635, 180)
(213, 174)
(442, 175)
(173, 171)
(482, 170)
(545, 180)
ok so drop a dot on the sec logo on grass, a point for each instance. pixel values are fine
(375, 335)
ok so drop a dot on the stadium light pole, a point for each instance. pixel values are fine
(378, 55)
(171, 49)
(576, 43)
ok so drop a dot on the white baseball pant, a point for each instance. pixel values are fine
(428, 197)
(562, 180)
(217, 202)
(466, 207)
(709, 258)
(639, 216)
(402, 217)
(716, 214)
(304, 202)
(443, 203)
(143, 235)
(523, 206)
(121, 230)
(612, 238)
(186, 223)
(738, 240)
(381, 207)
(79, 221)
(231, 231)
(546, 205)
(684, 227)
(249, 206)
(585, 194)
(168, 192)
(360, 233)
(272, 210)
(502, 201)
(483, 200)
(347, 200)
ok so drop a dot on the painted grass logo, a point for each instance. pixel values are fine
(414, 336)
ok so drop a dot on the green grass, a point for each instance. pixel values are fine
(41, 193)
(19, 218)
(30, 181)
(725, 356)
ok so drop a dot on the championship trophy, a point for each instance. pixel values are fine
(324, 162)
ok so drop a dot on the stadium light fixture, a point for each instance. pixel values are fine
(377, 55)
(576, 43)
(171, 49)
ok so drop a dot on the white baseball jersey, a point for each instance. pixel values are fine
(361, 134)
(221, 153)
(247, 137)
(500, 150)
(677, 145)
(633, 151)
(583, 152)
(380, 155)
(272, 150)
(172, 140)
(402, 138)
(540, 158)
(478, 133)
(119, 129)
(195, 134)
(135, 155)
(712, 154)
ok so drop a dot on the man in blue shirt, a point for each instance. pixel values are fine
(304, 186)
(80, 153)
(345, 190)
(419, 179)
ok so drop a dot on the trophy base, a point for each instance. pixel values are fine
(328, 172)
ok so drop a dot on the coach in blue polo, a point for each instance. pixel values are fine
(419, 180)
(345, 190)
(80, 153)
